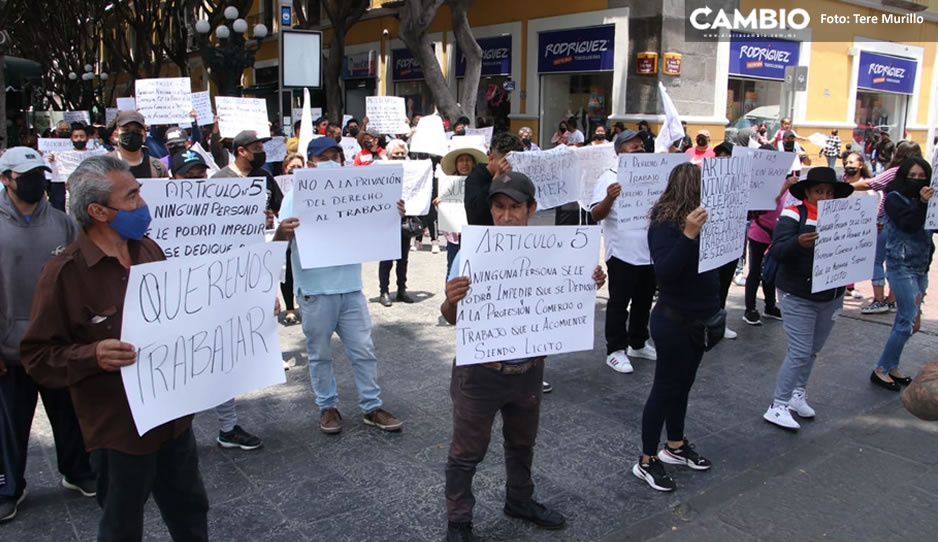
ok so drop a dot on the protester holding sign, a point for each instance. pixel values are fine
(809, 317)
(457, 164)
(130, 134)
(687, 321)
(73, 341)
(331, 301)
(31, 233)
(397, 150)
(479, 180)
(909, 248)
(370, 150)
(480, 391)
(249, 152)
(631, 275)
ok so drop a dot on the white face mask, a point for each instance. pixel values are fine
(328, 164)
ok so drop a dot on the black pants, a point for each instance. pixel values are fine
(384, 269)
(756, 255)
(479, 393)
(429, 222)
(125, 482)
(56, 192)
(633, 284)
(727, 272)
(18, 396)
(573, 217)
(286, 287)
(675, 372)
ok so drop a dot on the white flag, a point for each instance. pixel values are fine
(306, 126)
(671, 130)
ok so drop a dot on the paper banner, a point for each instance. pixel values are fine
(165, 100)
(386, 114)
(724, 193)
(555, 173)
(452, 208)
(846, 243)
(202, 103)
(238, 114)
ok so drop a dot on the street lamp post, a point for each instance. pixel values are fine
(89, 88)
(227, 59)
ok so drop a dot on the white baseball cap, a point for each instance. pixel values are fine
(21, 160)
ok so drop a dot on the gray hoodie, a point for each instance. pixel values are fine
(25, 248)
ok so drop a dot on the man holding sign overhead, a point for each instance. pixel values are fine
(513, 387)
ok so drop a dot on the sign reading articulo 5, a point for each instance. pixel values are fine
(705, 18)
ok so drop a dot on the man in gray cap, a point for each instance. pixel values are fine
(248, 148)
(31, 233)
(131, 133)
(480, 391)
(631, 275)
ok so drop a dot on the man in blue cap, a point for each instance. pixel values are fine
(331, 301)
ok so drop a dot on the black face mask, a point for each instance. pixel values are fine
(460, 132)
(526, 141)
(131, 141)
(789, 145)
(599, 137)
(62, 135)
(701, 141)
(175, 148)
(762, 132)
(258, 160)
(338, 140)
(353, 131)
(79, 145)
(851, 171)
(31, 186)
(368, 145)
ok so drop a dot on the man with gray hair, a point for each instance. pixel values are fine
(525, 134)
(73, 341)
(31, 233)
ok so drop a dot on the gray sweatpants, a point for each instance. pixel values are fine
(807, 325)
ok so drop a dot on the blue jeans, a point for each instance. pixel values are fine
(807, 325)
(347, 315)
(451, 250)
(227, 416)
(879, 275)
(906, 287)
(831, 160)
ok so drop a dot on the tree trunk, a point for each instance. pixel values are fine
(473, 53)
(332, 81)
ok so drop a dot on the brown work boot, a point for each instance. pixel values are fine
(330, 421)
(382, 419)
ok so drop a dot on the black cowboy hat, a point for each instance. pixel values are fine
(817, 175)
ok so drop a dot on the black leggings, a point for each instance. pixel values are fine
(675, 372)
(756, 255)
(286, 287)
(384, 269)
(727, 272)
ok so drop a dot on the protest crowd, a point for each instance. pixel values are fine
(117, 239)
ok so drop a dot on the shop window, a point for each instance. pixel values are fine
(416, 96)
(879, 111)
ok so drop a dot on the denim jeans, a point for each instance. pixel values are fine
(879, 260)
(831, 160)
(227, 416)
(347, 315)
(906, 287)
(807, 325)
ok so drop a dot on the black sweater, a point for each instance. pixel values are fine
(478, 182)
(680, 287)
(795, 264)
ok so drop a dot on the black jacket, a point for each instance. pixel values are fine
(795, 264)
(478, 182)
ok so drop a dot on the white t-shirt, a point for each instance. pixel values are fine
(627, 244)
(576, 138)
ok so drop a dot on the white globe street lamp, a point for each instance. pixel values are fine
(222, 32)
(104, 76)
(240, 26)
(72, 75)
(231, 13)
(202, 26)
(260, 31)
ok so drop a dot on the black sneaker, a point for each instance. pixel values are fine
(88, 488)
(685, 455)
(459, 532)
(547, 387)
(752, 318)
(654, 474)
(238, 438)
(403, 297)
(8, 506)
(773, 313)
(536, 513)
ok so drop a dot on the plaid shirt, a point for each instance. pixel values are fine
(832, 146)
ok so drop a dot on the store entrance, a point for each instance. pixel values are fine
(880, 111)
(585, 95)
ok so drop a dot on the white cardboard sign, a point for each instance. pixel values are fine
(196, 217)
(350, 148)
(238, 114)
(594, 160)
(769, 170)
(846, 243)
(531, 292)
(276, 149)
(486, 134)
(54, 144)
(77, 116)
(387, 114)
(347, 215)
(931, 219)
(110, 113)
(724, 193)
(165, 100)
(642, 179)
(126, 104)
(202, 103)
(452, 208)
(67, 161)
(417, 187)
(555, 173)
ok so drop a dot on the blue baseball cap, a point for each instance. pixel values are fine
(320, 145)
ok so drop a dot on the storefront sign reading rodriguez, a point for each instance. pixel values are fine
(577, 50)
(405, 66)
(496, 56)
(360, 65)
(751, 56)
(886, 73)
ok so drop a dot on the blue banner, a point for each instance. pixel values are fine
(496, 56)
(361, 65)
(751, 56)
(886, 73)
(405, 66)
(587, 49)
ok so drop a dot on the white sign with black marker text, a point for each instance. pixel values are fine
(846, 243)
(769, 170)
(724, 194)
(555, 173)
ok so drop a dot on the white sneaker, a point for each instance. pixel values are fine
(619, 362)
(739, 279)
(800, 405)
(647, 352)
(729, 334)
(780, 416)
(856, 294)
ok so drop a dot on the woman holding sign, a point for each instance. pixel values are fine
(908, 255)
(687, 302)
(809, 317)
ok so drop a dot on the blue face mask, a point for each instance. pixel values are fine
(328, 164)
(131, 225)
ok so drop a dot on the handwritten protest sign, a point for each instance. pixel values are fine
(238, 114)
(202, 104)
(452, 209)
(594, 160)
(387, 114)
(195, 217)
(285, 182)
(54, 144)
(66, 161)
(110, 113)
(350, 148)
(276, 149)
(204, 331)
(347, 215)
(417, 186)
(345, 119)
(165, 100)
(532, 292)
(769, 169)
(931, 218)
(555, 173)
(642, 178)
(77, 116)
(315, 113)
(724, 193)
(846, 243)
(486, 134)
(126, 104)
